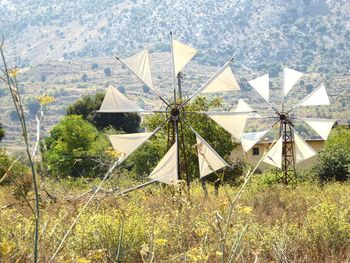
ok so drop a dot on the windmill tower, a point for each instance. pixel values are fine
(170, 169)
(290, 149)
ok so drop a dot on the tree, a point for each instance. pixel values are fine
(14, 116)
(84, 77)
(94, 66)
(334, 160)
(75, 148)
(33, 106)
(87, 107)
(145, 159)
(145, 88)
(108, 72)
(121, 88)
(2, 132)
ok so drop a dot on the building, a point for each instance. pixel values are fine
(257, 152)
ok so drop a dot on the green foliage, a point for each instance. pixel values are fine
(87, 107)
(334, 160)
(145, 159)
(2, 132)
(12, 169)
(75, 148)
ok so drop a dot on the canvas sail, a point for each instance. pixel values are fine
(182, 54)
(261, 85)
(318, 97)
(127, 143)
(322, 126)
(274, 155)
(166, 170)
(115, 101)
(140, 65)
(208, 159)
(291, 77)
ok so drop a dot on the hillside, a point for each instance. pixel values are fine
(310, 34)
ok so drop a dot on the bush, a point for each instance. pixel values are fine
(334, 160)
(108, 72)
(75, 148)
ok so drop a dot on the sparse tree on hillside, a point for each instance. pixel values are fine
(108, 72)
(33, 106)
(2, 132)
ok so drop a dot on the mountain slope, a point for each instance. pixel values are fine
(312, 35)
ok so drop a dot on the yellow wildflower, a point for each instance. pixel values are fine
(45, 99)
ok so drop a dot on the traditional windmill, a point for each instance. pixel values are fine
(168, 169)
(290, 148)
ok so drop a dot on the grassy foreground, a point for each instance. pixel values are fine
(270, 223)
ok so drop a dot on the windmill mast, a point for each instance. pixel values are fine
(288, 162)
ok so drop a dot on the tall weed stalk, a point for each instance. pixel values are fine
(10, 78)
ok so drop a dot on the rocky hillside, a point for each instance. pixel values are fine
(312, 35)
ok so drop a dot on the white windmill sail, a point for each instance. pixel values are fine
(115, 101)
(208, 159)
(225, 81)
(291, 77)
(182, 54)
(249, 139)
(166, 170)
(140, 65)
(261, 85)
(318, 97)
(303, 150)
(274, 155)
(127, 143)
(235, 122)
(242, 106)
(322, 126)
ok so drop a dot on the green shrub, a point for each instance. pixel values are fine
(334, 160)
(75, 148)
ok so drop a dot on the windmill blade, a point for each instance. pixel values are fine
(233, 122)
(249, 139)
(318, 96)
(242, 106)
(261, 85)
(303, 150)
(274, 155)
(140, 65)
(322, 126)
(291, 77)
(115, 101)
(128, 143)
(166, 170)
(225, 81)
(208, 159)
(182, 54)
(224, 78)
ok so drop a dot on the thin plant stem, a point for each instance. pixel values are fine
(13, 84)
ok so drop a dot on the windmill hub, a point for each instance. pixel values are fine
(175, 112)
(283, 117)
